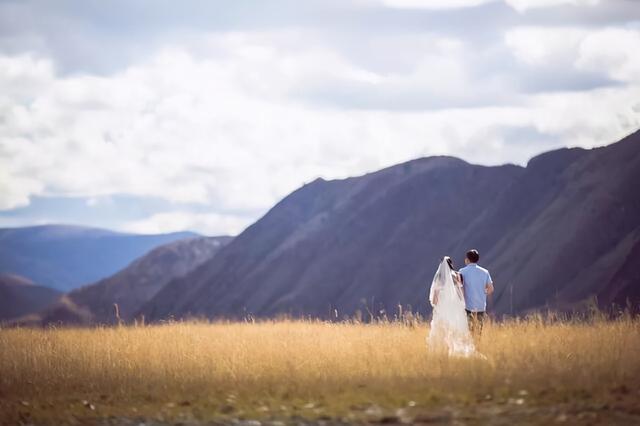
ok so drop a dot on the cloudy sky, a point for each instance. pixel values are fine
(155, 116)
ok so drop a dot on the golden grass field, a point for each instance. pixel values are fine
(296, 371)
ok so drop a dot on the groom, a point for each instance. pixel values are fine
(477, 285)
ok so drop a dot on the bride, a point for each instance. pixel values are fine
(449, 329)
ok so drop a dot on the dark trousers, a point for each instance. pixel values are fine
(476, 320)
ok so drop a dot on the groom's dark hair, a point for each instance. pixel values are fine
(473, 256)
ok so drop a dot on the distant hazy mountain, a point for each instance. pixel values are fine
(134, 285)
(20, 296)
(66, 257)
(555, 233)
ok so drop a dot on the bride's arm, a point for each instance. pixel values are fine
(459, 286)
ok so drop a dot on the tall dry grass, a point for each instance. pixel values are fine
(313, 359)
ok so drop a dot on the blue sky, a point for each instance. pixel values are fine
(155, 116)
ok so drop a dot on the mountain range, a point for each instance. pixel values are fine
(65, 257)
(554, 234)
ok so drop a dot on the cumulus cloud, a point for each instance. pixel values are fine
(519, 5)
(220, 123)
(610, 50)
(613, 51)
(524, 5)
(435, 4)
(545, 46)
(16, 191)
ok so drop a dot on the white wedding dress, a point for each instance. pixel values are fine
(449, 329)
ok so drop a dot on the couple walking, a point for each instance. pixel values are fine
(459, 301)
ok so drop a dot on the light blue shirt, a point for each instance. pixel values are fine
(474, 281)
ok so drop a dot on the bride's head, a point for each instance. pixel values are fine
(449, 261)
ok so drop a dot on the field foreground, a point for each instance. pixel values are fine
(323, 373)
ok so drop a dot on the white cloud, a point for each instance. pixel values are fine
(582, 118)
(525, 5)
(434, 4)
(545, 46)
(224, 121)
(206, 223)
(610, 51)
(23, 75)
(519, 5)
(15, 191)
(219, 130)
(614, 51)
(588, 119)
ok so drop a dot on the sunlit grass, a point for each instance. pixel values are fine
(254, 367)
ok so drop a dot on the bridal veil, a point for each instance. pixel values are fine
(449, 329)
